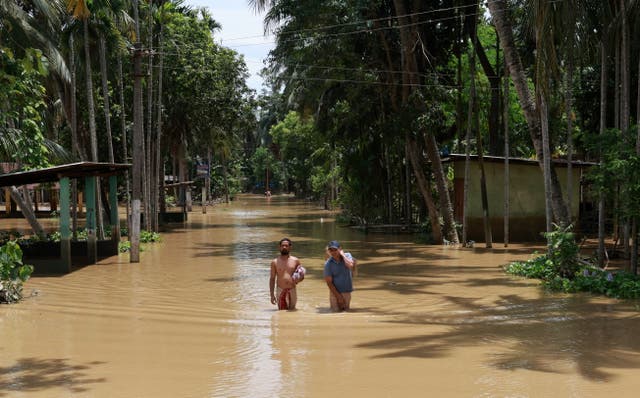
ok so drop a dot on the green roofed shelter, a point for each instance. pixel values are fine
(62, 174)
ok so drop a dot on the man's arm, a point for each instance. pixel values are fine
(349, 261)
(272, 282)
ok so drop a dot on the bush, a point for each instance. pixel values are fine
(149, 237)
(12, 273)
(124, 246)
(539, 267)
(145, 237)
(562, 270)
(564, 252)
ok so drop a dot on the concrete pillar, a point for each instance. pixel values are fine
(90, 194)
(113, 205)
(65, 222)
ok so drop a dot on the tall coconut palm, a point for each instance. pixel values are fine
(500, 16)
(165, 12)
(80, 10)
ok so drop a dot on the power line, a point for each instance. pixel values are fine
(329, 79)
(359, 31)
(366, 21)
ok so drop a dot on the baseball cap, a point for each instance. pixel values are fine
(334, 244)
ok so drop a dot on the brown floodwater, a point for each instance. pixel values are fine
(193, 319)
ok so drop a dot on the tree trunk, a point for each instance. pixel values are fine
(446, 209)
(494, 86)
(507, 151)
(407, 186)
(634, 252)
(125, 145)
(638, 112)
(423, 186)
(603, 126)
(158, 156)
(547, 163)
(569, 113)
(90, 104)
(23, 200)
(467, 149)
(625, 109)
(105, 96)
(410, 69)
(93, 135)
(485, 200)
(149, 148)
(499, 15)
(75, 148)
(107, 121)
(492, 126)
(207, 182)
(226, 180)
(388, 186)
(73, 123)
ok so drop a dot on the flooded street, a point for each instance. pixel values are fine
(193, 319)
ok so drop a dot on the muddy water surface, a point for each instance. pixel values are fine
(193, 319)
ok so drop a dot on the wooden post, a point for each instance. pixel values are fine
(204, 200)
(90, 193)
(36, 198)
(183, 199)
(65, 232)
(80, 202)
(53, 200)
(7, 200)
(113, 205)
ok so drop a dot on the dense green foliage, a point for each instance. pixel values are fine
(562, 270)
(22, 94)
(13, 273)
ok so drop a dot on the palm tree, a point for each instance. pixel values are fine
(500, 16)
(80, 10)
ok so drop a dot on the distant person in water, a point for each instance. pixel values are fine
(338, 274)
(286, 273)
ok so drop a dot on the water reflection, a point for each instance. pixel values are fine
(193, 319)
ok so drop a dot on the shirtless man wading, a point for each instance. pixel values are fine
(287, 272)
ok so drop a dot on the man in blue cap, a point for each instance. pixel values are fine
(337, 274)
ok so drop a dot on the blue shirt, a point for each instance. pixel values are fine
(340, 273)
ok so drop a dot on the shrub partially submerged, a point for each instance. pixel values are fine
(12, 273)
(564, 270)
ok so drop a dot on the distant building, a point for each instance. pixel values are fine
(526, 195)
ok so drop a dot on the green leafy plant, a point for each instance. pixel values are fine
(149, 237)
(124, 246)
(6, 236)
(13, 273)
(564, 251)
(562, 270)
